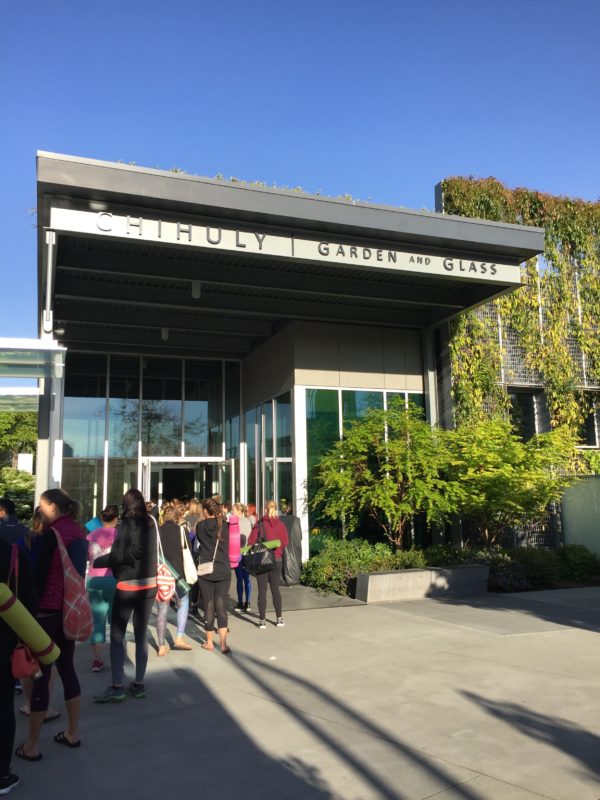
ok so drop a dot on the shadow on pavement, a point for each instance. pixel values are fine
(581, 745)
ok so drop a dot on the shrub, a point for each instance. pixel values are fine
(508, 576)
(542, 568)
(579, 564)
(409, 559)
(335, 568)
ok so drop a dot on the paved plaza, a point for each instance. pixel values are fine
(490, 698)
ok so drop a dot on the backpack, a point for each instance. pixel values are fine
(77, 613)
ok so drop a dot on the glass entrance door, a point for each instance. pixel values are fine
(183, 479)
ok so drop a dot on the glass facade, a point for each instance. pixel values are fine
(125, 415)
(328, 413)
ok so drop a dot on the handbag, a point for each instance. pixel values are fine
(259, 558)
(165, 581)
(189, 568)
(78, 623)
(208, 567)
(23, 663)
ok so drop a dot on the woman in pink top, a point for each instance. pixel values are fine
(101, 585)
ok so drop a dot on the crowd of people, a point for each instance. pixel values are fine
(122, 559)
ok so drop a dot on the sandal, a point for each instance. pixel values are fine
(204, 647)
(50, 716)
(226, 652)
(60, 738)
(20, 753)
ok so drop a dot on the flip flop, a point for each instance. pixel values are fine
(226, 652)
(20, 753)
(60, 738)
(204, 647)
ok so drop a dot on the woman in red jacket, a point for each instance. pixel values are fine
(270, 527)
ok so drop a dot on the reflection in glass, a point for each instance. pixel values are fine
(122, 476)
(283, 410)
(356, 404)
(268, 423)
(123, 406)
(84, 406)
(250, 420)
(322, 431)
(285, 489)
(161, 406)
(203, 409)
(417, 400)
(83, 479)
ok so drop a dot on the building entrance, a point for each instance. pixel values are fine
(184, 479)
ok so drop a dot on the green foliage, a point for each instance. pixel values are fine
(542, 567)
(18, 433)
(335, 568)
(579, 564)
(389, 465)
(19, 487)
(568, 287)
(504, 480)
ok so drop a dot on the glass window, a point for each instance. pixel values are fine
(356, 404)
(122, 476)
(322, 431)
(123, 406)
(285, 487)
(283, 410)
(85, 405)
(203, 415)
(522, 413)
(83, 479)
(251, 494)
(161, 406)
(268, 423)
(417, 400)
(232, 410)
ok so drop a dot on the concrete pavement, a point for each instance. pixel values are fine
(490, 698)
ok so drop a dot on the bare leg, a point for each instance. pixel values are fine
(223, 636)
(209, 645)
(72, 732)
(32, 745)
(27, 684)
(97, 651)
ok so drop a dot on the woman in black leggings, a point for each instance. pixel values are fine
(133, 563)
(213, 538)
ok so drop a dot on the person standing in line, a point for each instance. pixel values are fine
(251, 513)
(60, 514)
(194, 515)
(133, 562)
(171, 533)
(8, 641)
(101, 584)
(213, 538)
(270, 527)
(243, 583)
(10, 528)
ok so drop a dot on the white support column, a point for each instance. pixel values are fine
(430, 377)
(300, 464)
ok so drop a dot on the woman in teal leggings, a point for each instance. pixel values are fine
(101, 584)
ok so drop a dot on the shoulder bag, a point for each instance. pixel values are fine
(78, 623)
(23, 663)
(189, 568)
(209, 566)
(259, 558)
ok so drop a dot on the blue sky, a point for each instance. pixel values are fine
(377, 99)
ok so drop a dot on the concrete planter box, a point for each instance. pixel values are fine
(412, 584)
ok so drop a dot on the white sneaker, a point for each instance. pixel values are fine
(280, 623)
(262, 624)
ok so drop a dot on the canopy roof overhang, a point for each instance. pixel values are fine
(26, 360)
(126, 274)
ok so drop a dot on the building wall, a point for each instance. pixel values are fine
(581, 513)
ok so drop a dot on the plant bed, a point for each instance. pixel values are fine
(411, 584)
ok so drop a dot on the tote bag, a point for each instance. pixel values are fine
(165, 581)
(77, 613)
(189, 568)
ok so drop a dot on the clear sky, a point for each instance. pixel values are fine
(379, 99)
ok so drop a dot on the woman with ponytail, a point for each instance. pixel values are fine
(213, 538)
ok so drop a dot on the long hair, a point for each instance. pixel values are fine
(215, 510)
(134, 505)
(271, 509)
(63, 501)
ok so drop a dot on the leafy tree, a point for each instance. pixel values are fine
(19, 486)
(18, 434)
(506, 481)
(389, 465)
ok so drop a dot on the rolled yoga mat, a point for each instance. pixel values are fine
(27, 628)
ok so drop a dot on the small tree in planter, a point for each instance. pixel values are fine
(390, 465)
(506, 481)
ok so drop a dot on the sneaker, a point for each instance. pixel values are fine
(136, 690)
(262, 624)
(280, 623)
(18, 687)
(239, 606)
(113, 694)
(247, 607)
(8, 784)
(97, 666)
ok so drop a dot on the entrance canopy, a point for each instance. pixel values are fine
(144, 260)
(23, 363)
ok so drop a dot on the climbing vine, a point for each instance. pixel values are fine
(554, 316)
